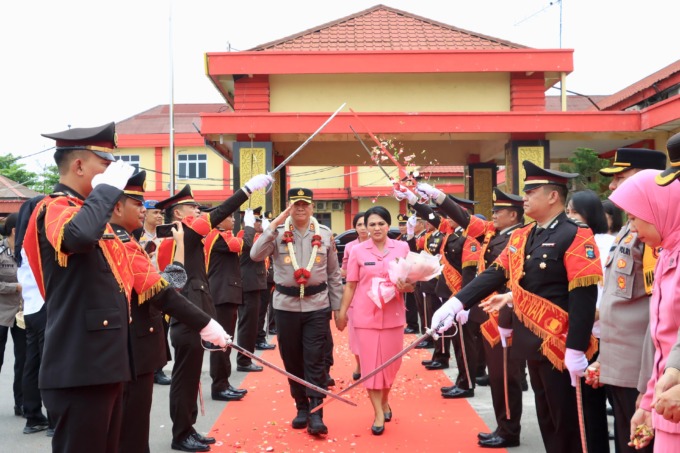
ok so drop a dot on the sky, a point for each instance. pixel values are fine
(83, 63)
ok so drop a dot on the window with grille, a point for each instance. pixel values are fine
(129, 159)
(192, 166)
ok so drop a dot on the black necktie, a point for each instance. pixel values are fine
(537, 232)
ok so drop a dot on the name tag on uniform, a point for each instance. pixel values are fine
(369, 263)
(548, 244)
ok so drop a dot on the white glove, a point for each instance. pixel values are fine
(411, 225)
(401, 192)
(430, 192)
(258, 182)
(576, 362)
(116, 175)
(446, 314)
(249, 218)
(462, 316)
(215, 334)
(505, 334)
(265, 224)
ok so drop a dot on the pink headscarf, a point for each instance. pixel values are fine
(641, 196)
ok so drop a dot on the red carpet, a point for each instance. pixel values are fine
(422, 422)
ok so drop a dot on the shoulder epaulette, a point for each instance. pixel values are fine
(122, 235)
(577, 223)
(324, 227)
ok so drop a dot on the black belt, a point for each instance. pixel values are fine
(295, 290)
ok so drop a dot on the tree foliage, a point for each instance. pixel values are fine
(43, 182)
(587, 163)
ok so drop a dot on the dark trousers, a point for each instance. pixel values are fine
(87, 418)
(507, 428)
(469, 332)
(220, 362)
(411, 311)
(248, 313)
(623, 403)
(302, 337)
(166, 330)
(328, 348)
(137, 396)
(481, 354)
(262, 325)
(424, 311)
(595, 416)
(555, 407)
(19, 340)
(35, 340)
(186, 377)
(442, 347)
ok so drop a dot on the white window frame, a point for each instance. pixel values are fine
(192, 167)
(131, 159)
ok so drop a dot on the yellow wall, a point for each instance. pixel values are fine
(317, 177)
(459, 92)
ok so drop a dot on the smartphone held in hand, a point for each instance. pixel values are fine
(165, 230)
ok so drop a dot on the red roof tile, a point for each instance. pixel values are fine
(157, 119)
(574, 103)
(384, 28)
(12, 190)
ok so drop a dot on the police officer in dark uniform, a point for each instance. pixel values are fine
(85, 357)
(409, 299)
(186, 372)
(222, 249)
(553, 270)
(152, 295)
(266, 315)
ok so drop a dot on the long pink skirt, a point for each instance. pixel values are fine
(377, 346)
(666, 442)
(353, 342)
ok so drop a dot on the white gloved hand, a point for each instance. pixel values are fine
(430, 192)
(505, 334)
(462, 316)
(446, 315)
(249, 218)
(215, 334)
(576, 362)
(411, 225)
(116, 175)
(258, 182)
(265, 223)
(401, 192)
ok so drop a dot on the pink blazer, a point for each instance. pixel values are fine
(366, 262)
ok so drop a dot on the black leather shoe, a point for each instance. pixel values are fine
(160, 378)
(18, 411)
(203, 439)
(227, 395)
(35, 428)
(315, 425)
(458, 393)
(49, 432)
(301, 419)
(426, 362)
(485, 436)
(498, 442)
(356, 376)
(447, 389)
(437, 366)
(409, 331)
(189, 444)
(251, 367)
(330, 382)
(524, 384)
(377, 430)
(425, 345)
(272, 332)
(264, 346)
(482, 380)
(610, 411)
(388, 415)
(237, 391)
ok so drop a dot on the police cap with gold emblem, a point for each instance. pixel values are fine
(402, 218)
(256, 213)
(668, 176)
(642, 158)
(502, 200)
(100, 140)
(269, 215)
(184, 196)
(537, 176)
(300, 194)
(135, 186)
(464, 202)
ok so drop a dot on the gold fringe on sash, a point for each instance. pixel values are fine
(149, 293)
(580, 282)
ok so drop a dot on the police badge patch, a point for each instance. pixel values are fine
(590, 251)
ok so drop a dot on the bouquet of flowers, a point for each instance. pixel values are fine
(414, 268)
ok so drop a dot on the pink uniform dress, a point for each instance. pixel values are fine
(350, 326)
(379, 331)
(642, 197)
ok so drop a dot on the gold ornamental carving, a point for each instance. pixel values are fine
(535, 154)
(252, 161)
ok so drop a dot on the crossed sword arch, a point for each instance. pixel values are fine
(430, 333)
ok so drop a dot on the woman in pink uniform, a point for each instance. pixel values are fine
(653, 213)
(379, 327)
(362, 235)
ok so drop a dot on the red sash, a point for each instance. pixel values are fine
(58, 211)
(166, 253)
(234, 243)
(147, 282)
(545, 319)
(489, 327)
(452, 277)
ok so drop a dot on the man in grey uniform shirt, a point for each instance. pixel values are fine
(308, 287)
(624, 305)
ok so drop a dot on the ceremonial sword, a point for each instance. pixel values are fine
(581, 422)
(465, 362)
(371, 154)
(505, 382)
(290, 376)
(428, 333)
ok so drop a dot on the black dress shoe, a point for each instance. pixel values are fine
(437, 366)
(426, 362)
(18, 411)
(35, 428)
(610, 411)
(251, 367)
(160, 378)
(457, 392)
(330, 382)
(524, 384)
(272, 331)
(388, 415)
(482, 380)
(409, 331)
(377, 430)
(425, 344)
(190, 444)
(485, 436)
(49, 432)
(227, 395)
(264, 346)
(356, 376)
(498, 442)
(203, 439)
(237, 391)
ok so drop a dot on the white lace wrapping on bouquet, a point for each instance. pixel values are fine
(416, 267)
(382, 291)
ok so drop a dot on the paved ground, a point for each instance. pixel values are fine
(13, 440)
